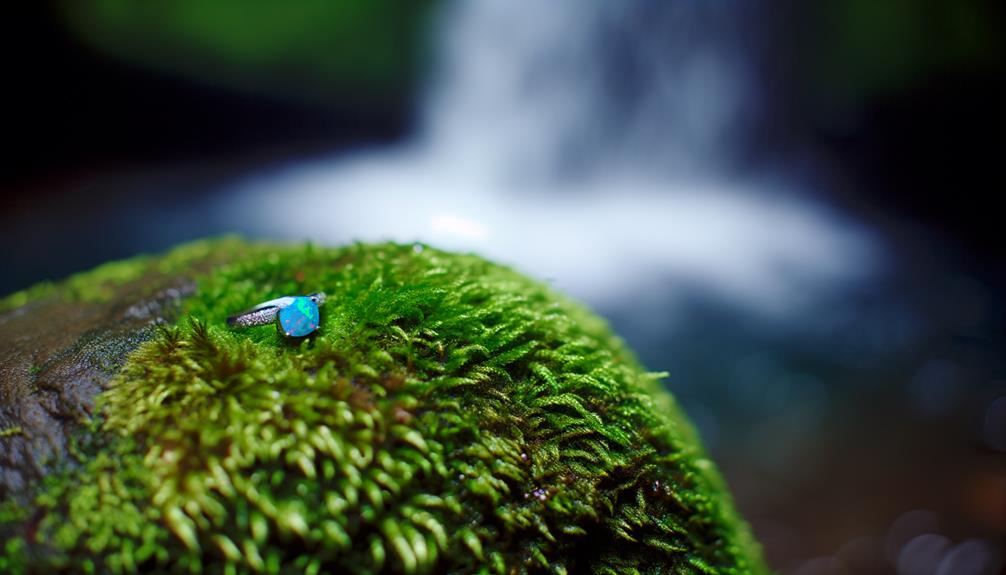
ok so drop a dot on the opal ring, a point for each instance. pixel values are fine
(295, 316)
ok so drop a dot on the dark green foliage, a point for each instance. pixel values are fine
(350, 51)
(450, 416)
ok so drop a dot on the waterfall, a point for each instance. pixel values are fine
(592, 145)
(567, 87)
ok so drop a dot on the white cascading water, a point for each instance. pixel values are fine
(589, 145)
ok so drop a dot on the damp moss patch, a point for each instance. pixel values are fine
(450, 415)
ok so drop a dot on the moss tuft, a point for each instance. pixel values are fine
(450, 416)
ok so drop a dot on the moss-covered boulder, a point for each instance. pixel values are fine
(450, 416)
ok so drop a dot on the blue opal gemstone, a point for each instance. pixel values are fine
(300, 318)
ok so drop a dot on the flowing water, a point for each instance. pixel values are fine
(593, 146)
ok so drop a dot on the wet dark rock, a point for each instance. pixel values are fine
(56, 354)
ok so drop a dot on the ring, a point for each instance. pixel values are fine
(295, 316)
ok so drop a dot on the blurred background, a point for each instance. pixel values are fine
(788, 206)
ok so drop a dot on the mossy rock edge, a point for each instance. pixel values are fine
(450, 416)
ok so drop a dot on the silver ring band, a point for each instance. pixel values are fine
(266, 312)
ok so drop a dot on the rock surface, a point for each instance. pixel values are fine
(60, 346)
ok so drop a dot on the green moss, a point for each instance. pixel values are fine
(450, 416)
(20, 298)
(102, 283)
(10, 431)
(97, 285)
